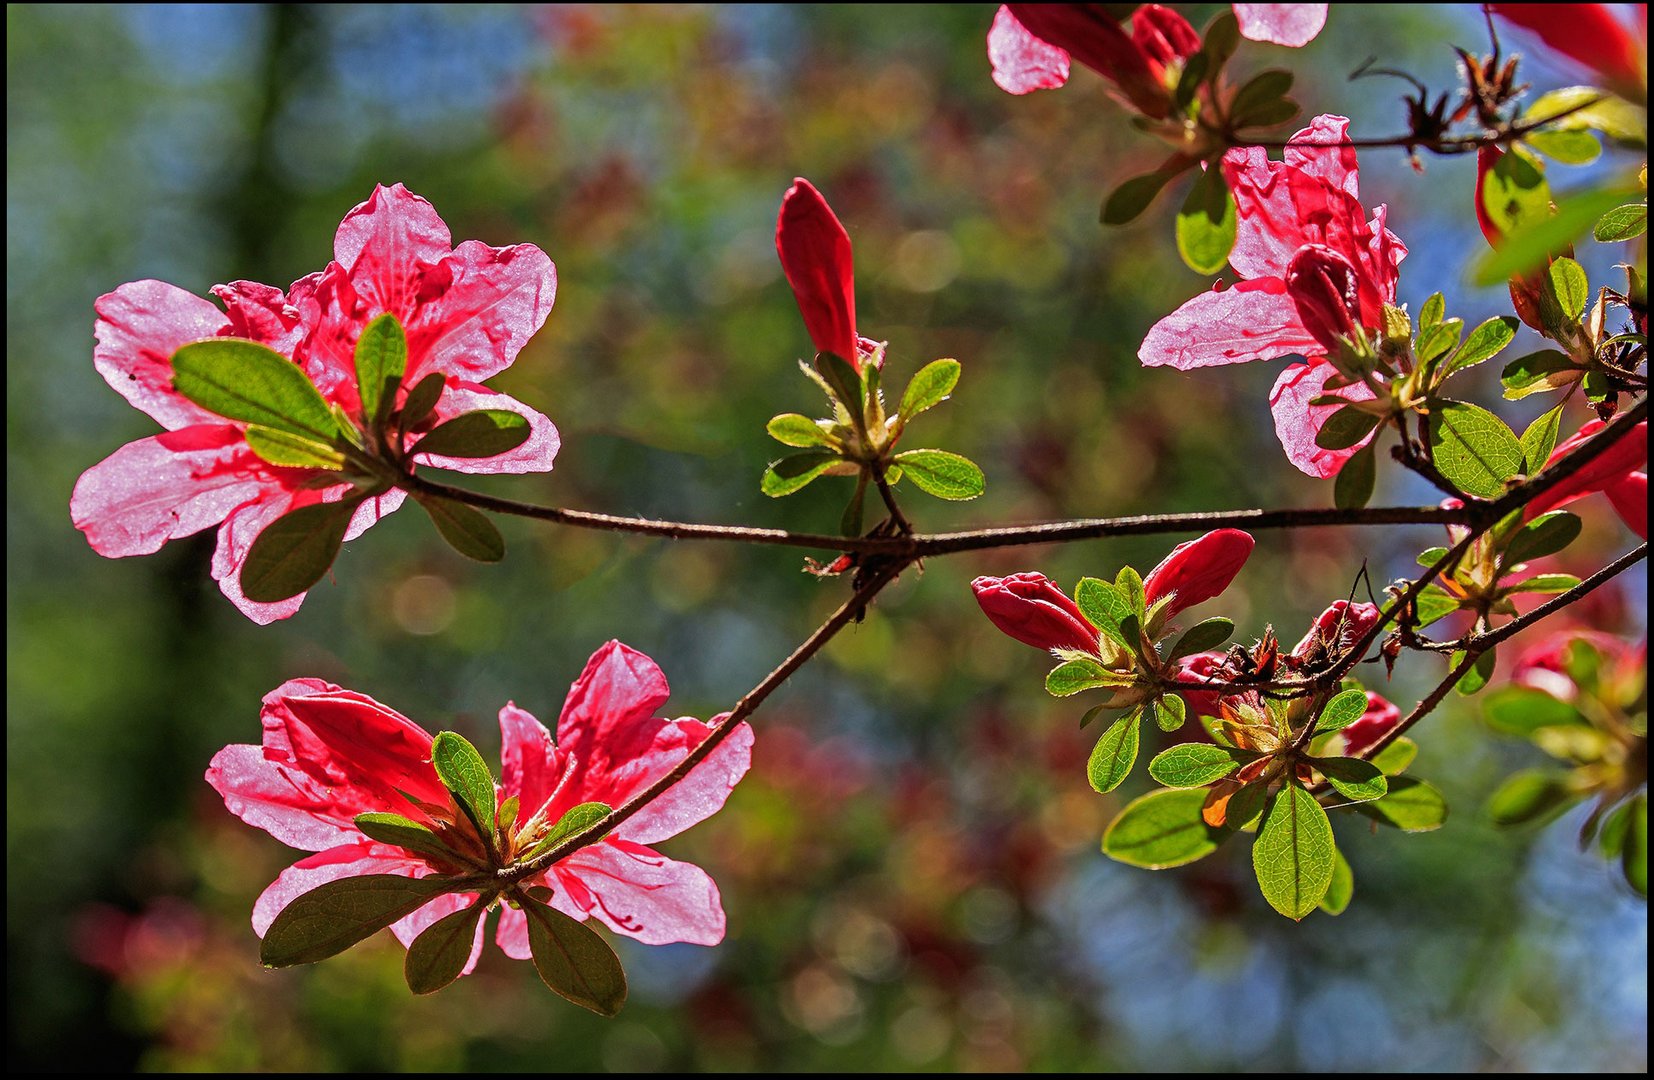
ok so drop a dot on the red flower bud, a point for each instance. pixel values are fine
(1326, 289)
(1340, 626)
(1030, 608)
(815, 256)
(1165, 39)
(1198, 570)
(1374, 724)
(1206, 666)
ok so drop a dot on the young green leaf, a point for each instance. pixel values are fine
(438, 956)
(575, 820)
(844, 382)
(1393, 759)
(1473, 448)
(1115, 753)
(1130, 584)
(1432, 312)
(1622, 223)
(1484, 343)
(1356, 480)
(1162, 829)
(1207, 222)
(1081, 673)
(794, 471)
(1634, 858)
(795, 429)
(1568, 147)
(573, 960)
(1201, 637)
(1526, 250)
(1342, 888)
(1438, 340)
(467, 531)
(1104, 606)
(1515, 196)
(1546, 534)
(1536, 372)
(1135, 195)
(1566, 286)
(1539, 440)
(942, 474)
(1191, 765)
(1432, 603)
(243, 380)
(381, 359)
(1523, 710)
(331, 918)
(292, 451)
(1344, 709)
(481, 434)
(1411, 806)
(1168, 711)
(1545, 583)
(466, 776)
(1293, 855)
(929, 386)
(1353, 778)
(1532, 795)
(1478, 675)
(407, 834)
(295, 550)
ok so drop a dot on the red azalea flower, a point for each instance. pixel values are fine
(330, 754)
(1030, 608)
(1620, 472)
(1198, 570)
(1207, 667)
(467, 311)
(1336, 629)
(1590, 35)
(1030, 45)
(815, 256)
(1374, 724)
(1303, 212)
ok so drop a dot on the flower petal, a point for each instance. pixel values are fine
(1255, 320)
(140, 325)
(816, 259)
(477, 308)
(697, 796)
(534, 455)
(235, 539)
(371, 752)
(294, 808)
(1630, 499)
(165, 487)
(1198, 570)
(1292, 25)
(386, 243)
(531, 764)
(1297, 422)
(1022, 63)
(636, 891)
(608, 716)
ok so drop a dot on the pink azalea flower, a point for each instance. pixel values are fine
(330, 754)
(467, 311)
(815, 256)
(1030, 45)
(1590, 35)
(1544, 664)
(1299, 220)
(1030, 608)
(1620, 472)
(1198, 570)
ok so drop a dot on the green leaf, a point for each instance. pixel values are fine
(1432, 312)
(1589, 108)
(243, 380)
(1105, 607)
(1434, 602)
(1473, 448)
(1522, 710)
(292, 451)
(1191, 765)
(1206, 223)
(467, 777)
(850, 522)
(1484, 343)
(1354, 486)
(381, 359)
(1342, 889)
(1546, 534)
(1635, 857)
(942, 474)
(1343, 710)
(1346, 427)
(1566, 285)
(1133, 196)
(1162, 829)
(437, 957)
(1353, 778)
(481, 434)
(1568, 147)
(1201, 637)
(1520, 252)
(1246, 807)
(794, 471)
(1529, 796)
(1438, 340)
(1515, 195)
(795, 429)
(1393, 759)
(1411, 806)
(295, 550)
(1258, 96)
(1081, 673)
(575, 820)
(1115, 753)
(1168, 711)
(1539, 440)
(1130, 584)
(421, 401)
(1429, 557)
(843, 380)
(1546, 369)
(467, 531)
(929, 386)
(1223, 37)
(331, 918)
(1294, 854)
(1622, 223)
(405, 833)
(573, 960)
(1545, 583)
(1477, 676)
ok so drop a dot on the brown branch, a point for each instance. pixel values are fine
(1459, 144)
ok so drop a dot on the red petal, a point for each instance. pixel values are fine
(636, 891)
(1198, 570)
(1297, 422)
(815, 256)
(478, 308)
(1255, 320)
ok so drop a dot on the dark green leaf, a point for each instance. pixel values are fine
(1202, 637)
(1342, 888)
(295, 550)
(292, 451)
(1411, 806)
(1133, 196)
(1191, 765)
(575, 820)
(1522, 710)
(843, 380)
(1343, 710)
(1258, 96)
(1246, 807)
(481, 434)
(467, 777)
(331, 918)
(1622, 223)
(405, 833)
(1206, 223)
(573, 960)
(795, 471)
(1293, 855)
(942, 474)
(243, 380)
(1162, 829)
(929, 386)
(1539, 440)
(1473, 448)
(1484, 343)
(1222, 38)
(467, 531)
(1546, 534)
(1115, 753)
(421, 401)
(1353, 778)
(1635, 853)
(795, 429)
(850, 522)
(438, 956)
(1546, 369)
(1528, 796)
(381, 358)
(1188, 83)
(1346, 427)
(1356, 480)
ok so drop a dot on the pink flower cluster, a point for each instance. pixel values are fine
(467, 312)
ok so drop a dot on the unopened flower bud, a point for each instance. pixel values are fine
(1030, 608)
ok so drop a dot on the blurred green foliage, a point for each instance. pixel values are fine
(911, 869)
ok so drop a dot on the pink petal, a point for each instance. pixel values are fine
(1255, 320)
(1323, 152)
(1293, 25)
(386, 244)
(1297, 422)
(636, 891)
(478, 308)
(166, 486)
(697, 796)
(511, 935)
(531, 765)
(261, 313)
(361, 745)
(607, 717)
(1022, 63)
(334, 864)
(294, 808)
(140, 325)
(534, 455)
